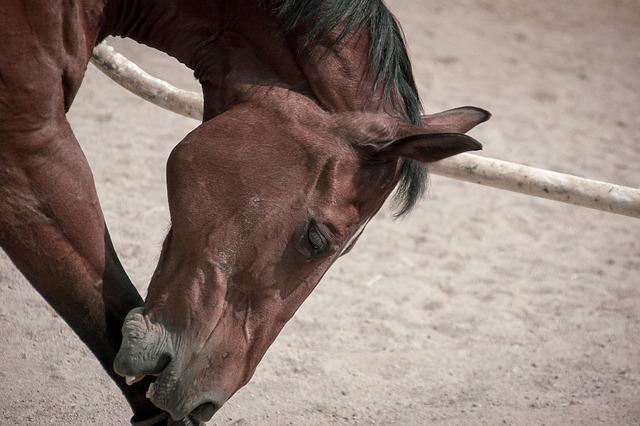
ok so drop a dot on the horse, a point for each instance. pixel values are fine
(311, 121)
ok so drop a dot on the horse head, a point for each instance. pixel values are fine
(263, 199)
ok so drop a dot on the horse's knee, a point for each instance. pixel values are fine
(21, 142)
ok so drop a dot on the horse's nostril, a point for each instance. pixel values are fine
(205, 411)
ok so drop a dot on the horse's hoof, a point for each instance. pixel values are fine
(161, 419)
(187, 421)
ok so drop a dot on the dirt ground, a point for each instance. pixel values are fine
(481, 307)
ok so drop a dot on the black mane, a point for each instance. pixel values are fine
(390, 63)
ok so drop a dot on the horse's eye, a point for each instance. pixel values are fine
(316, 242)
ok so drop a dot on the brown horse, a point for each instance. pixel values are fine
(311, 119)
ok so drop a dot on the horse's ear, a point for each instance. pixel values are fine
(429, 147)
(440, 136)
(457, 120)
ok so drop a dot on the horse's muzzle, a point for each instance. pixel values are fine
(145, 348)
(148, 349)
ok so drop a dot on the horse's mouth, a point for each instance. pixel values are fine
(148, 351)
(162, 391)
(132, 380)
(165, 394)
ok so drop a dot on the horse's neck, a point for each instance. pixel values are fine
(234, 45)
(339, 76)
(178, 28)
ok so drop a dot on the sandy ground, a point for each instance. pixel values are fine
(482, 307)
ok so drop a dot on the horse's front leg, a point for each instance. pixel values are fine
(52, 227)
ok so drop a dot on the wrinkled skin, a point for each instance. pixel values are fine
(298, 150)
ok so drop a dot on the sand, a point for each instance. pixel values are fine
(482, 307)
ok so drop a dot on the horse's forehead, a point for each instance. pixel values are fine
(291, 149)
(283, 127)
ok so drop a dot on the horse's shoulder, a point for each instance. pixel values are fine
(46, 48)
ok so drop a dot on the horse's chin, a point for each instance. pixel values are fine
(166, 393)
(145, 348)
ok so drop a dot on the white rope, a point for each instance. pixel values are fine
(541, 183)
(136, 80)
(467, 167)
